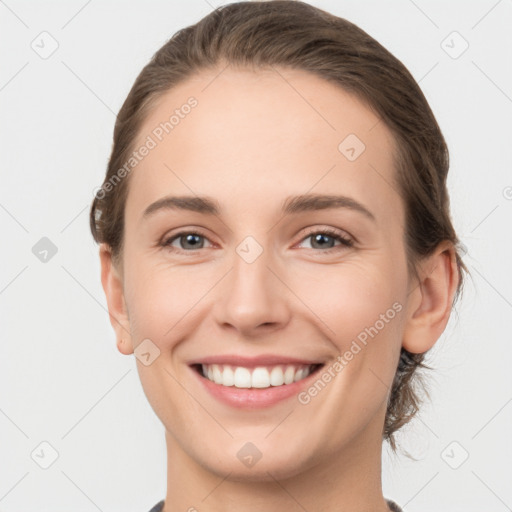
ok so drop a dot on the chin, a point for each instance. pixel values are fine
(267, 468)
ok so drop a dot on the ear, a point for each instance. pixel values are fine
(112, 283)
(430, 302)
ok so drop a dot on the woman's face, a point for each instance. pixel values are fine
(247, 279)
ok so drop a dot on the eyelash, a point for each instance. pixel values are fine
(336, 235)
(345, 242)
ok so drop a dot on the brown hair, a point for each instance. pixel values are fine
(296, 35)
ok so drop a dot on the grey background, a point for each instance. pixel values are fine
(62, 380)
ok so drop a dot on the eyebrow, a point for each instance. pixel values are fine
(292, 205)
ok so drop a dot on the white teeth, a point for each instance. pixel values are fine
(259, 377)
(217, 374)
(228, 377)
(289, 374)
(242, 378)
(276, 376)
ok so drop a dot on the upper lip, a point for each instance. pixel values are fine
(252, 362)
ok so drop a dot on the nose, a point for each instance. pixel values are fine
(254, 297)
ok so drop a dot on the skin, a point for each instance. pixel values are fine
(254, 139)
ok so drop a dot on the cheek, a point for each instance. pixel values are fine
(351, 297)
(161, 298)
(161, 308)
(359, 309)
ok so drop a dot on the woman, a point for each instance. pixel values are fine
(277, 252)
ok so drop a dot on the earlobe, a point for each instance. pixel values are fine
(113, 288)
(430, 303)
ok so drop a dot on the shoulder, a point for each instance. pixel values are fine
(392, 506)
(158, 507)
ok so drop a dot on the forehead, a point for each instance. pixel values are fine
(253, 136)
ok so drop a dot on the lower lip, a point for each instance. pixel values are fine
(254, 398)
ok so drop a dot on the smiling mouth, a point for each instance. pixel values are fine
(260, 377)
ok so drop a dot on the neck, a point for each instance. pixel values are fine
(347, 481)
